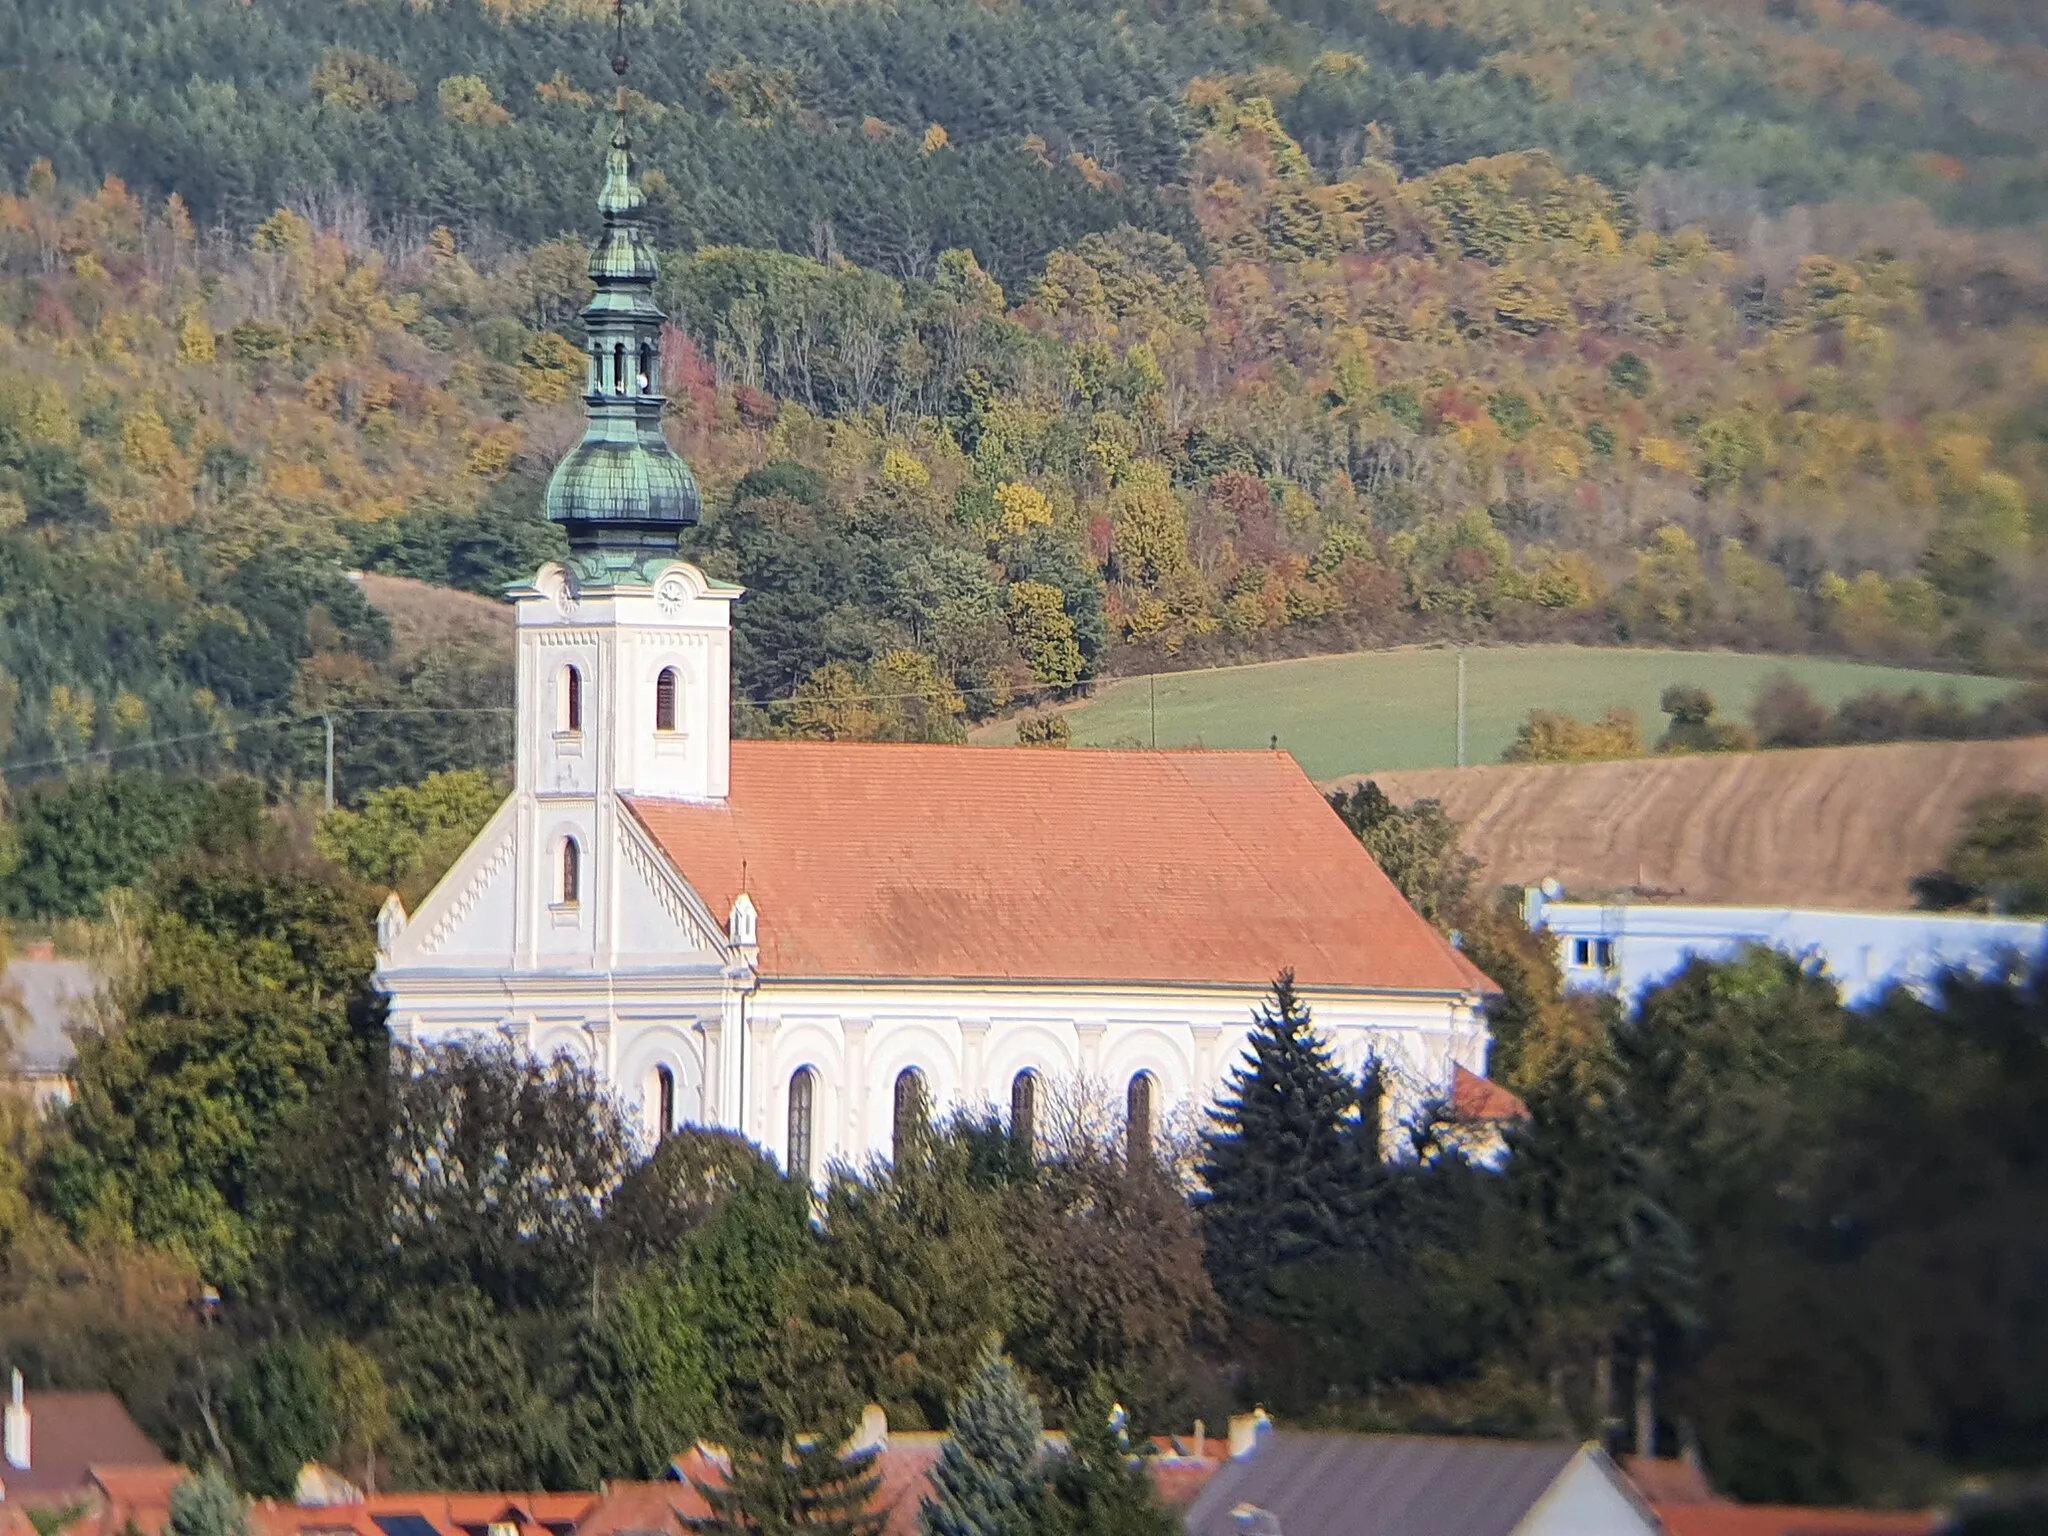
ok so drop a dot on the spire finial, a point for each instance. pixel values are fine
(619, 59)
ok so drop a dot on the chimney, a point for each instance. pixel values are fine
(1246, 1429)
(873, 1434)
(17, 1428)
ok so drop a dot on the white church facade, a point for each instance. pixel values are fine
(801, 941)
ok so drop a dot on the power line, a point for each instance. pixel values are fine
(273, 722)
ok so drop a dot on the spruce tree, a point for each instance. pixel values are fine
(1100, 1488)
(781, 1488)
(990, 1478)
(1289, 1158)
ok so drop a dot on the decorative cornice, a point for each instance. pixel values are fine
(472, 893)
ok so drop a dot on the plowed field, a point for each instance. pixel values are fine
(1830, 827)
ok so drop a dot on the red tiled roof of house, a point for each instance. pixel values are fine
(1476, 1098)
(869, 860)
(446, 1514)
(70, 1432)
(1791, 1520)
(1668, 1480)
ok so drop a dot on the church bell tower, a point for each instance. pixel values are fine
(624, 649)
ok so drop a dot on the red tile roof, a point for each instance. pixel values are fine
(449, 1514)
(1791, 1520)
(869, 860)
(1476, 1098)
(1669, 1480)
(68, 1433)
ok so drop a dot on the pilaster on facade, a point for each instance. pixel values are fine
(1205, 1036)
(1090, 1033)
(974, 1084)
(711, 1035)
(853, 1114)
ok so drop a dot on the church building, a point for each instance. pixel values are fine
(806, 942)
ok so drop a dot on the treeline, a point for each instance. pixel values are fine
(1783, 713)
(791, 127)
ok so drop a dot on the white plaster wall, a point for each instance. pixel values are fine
(620, 640)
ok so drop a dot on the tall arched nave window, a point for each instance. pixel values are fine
(1024, 1112)
(912, 1111)
(1138, 1119)
(803, 1102)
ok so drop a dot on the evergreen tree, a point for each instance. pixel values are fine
(805, 1485)
(1100, 1488)
(1289, 1155)
(989, 1480)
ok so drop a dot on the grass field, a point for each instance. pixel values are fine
(1398, 709)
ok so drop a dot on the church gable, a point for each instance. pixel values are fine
(469, 916)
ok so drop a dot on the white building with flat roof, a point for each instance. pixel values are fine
(1626, 947)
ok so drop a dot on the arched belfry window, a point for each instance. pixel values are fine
(1024, 1111)
(664, 1101)
(596, 384)
(646, 369)
(1138, 1119)
(572, 872)
(665, 700)
(572, 699)
(618, 368)
(912, 1110)
(803, 1102)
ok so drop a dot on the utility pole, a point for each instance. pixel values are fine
(1152, 678)
(328, 721)
(1461, 707)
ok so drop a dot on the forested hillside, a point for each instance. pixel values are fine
(1013, 344)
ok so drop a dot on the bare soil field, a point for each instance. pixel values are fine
(1825, 827)
(424, 616)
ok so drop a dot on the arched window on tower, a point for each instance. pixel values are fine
(803, 1099)
(1138, 1120)
(596, 384)
(572, 872)
(912, 1111)
(664, 1101)
(618, 368)
(1024, 1112)
(646, 369)
(665, 700)
(572, 699)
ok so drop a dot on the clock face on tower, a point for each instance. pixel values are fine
(670, 594)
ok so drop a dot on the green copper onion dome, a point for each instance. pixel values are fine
(622, 493)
